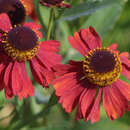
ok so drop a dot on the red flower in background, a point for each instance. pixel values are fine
(58, 3)
(17, 10)
(84, 83)
(14, 9)
(19, 45)
(29, 7)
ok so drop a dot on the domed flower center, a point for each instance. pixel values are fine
(20, 43)
(102, 66)
(22, 38)
(102, 61)
(14, 9)
(53, 2)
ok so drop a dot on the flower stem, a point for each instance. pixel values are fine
(39, 14)
(50, 24)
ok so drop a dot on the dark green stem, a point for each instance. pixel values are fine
(39, 14)
(50, 24)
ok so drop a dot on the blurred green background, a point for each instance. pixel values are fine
(111, 19)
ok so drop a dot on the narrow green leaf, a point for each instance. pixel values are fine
(86, 8)
(104, 20)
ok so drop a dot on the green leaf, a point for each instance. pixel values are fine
(52, 100)
(86, 8)
(3, 99)
(104, 20)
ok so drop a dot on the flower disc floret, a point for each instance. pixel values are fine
(102, 66)
(20, 43)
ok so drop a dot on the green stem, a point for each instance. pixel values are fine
(39, 14)
(50, 24)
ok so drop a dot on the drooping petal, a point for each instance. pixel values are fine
(70, 98)
(87, 102)
(7, 81)
(125, 64)
(50, 46)
(124, 88)
(74, 66)
(2, 71)
(21, 84)
(109, 105)
(95, 112)
(5, 23)
(40, 73)
(121, 101)
(47, 57)
(79, 114)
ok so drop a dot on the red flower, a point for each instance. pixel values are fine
(58, 3)
(29, 7)
(17, 10)
(84, 83)
(19, 45)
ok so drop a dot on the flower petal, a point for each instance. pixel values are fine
(95, 112)
(124, 88)
(120, 99)
(61, 69)
(77, 43)
(110, 104)
(70, 98)
(125, 64)
(90, 38)
(87, 102)
(21, 83)
(7, 81)
(113, 46)
(40, 73)
(5, 23)
(49, 58)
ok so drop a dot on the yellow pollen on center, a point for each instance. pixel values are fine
(102, 78)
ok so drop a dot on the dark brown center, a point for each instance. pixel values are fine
(22, 38)
(14, 9)
(102, 61)
(53, 2)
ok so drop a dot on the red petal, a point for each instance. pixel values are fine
(63, 83)
(41, 74)
(79, 112)
(50, 46)
(2, 71)
(33, 25)
(90, 38)
(21, 83)
(69, 99)
(5, 23)
(125, 64)
(121, 100)
(113, 46)
(87, 102)
(124, 88)
(7, 81)
(110, 107)
(73, 67)
(48, 58)
(95, 112)
(78, 44)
